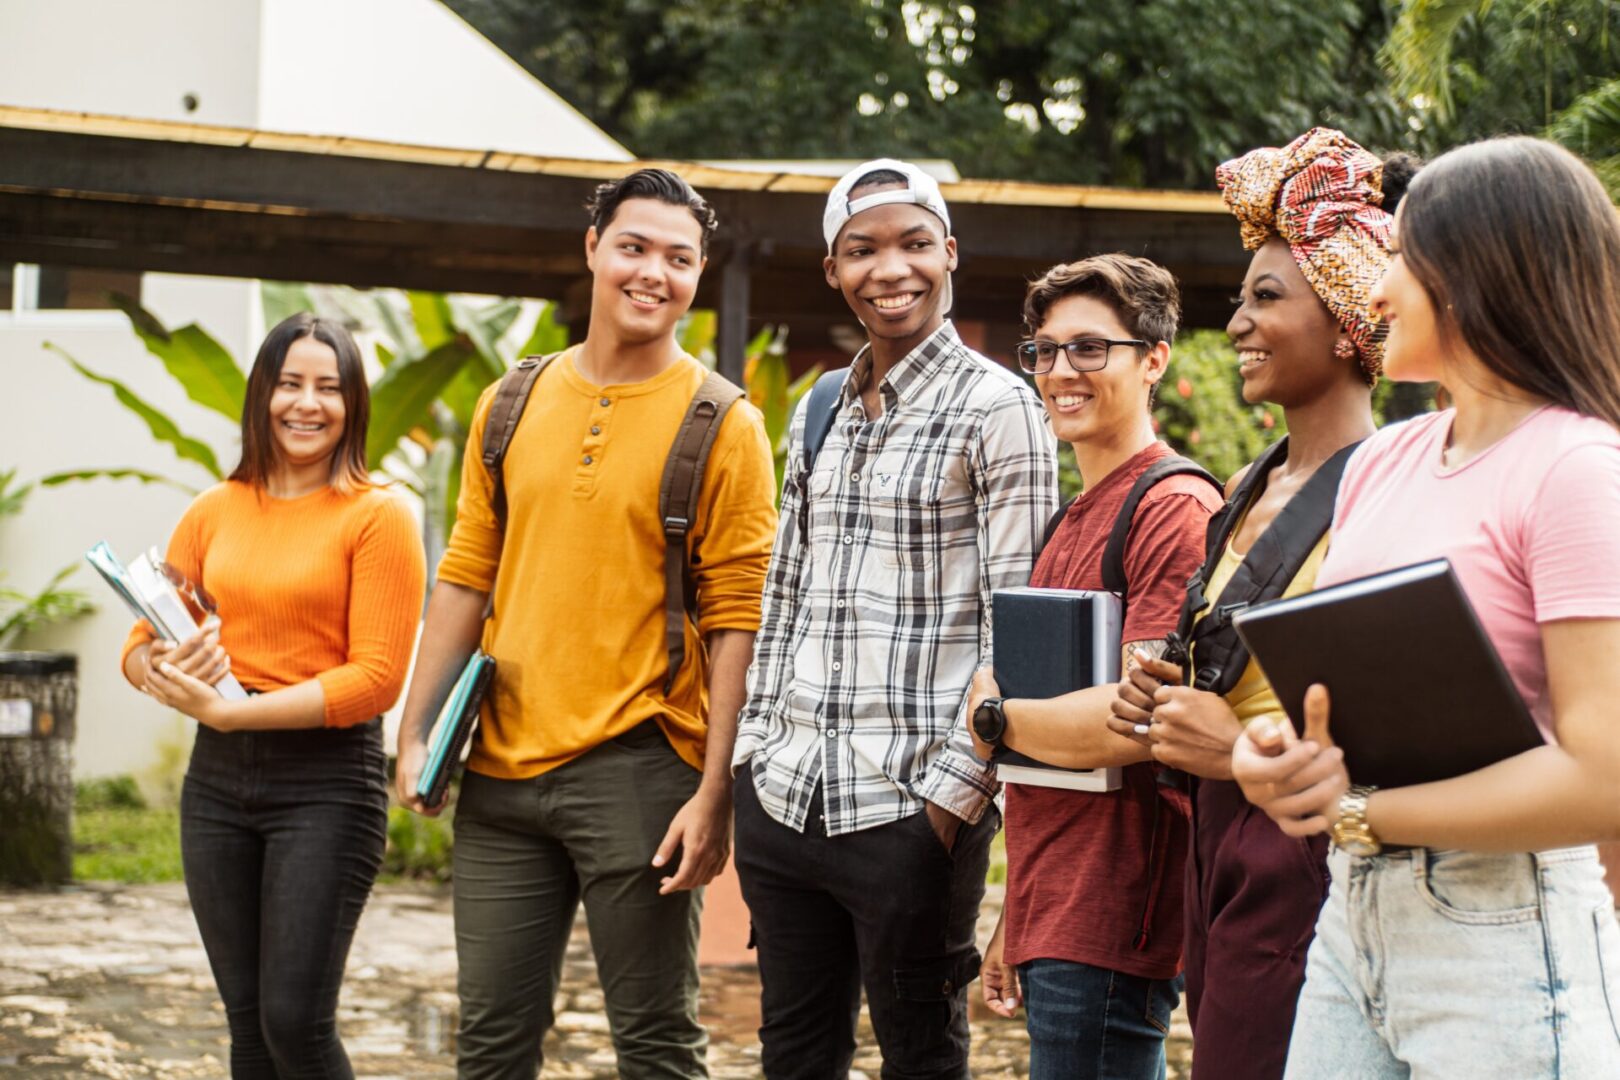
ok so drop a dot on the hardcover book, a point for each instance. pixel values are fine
(1417, 691)
(1050, 642)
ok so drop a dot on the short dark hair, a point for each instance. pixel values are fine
(660, 184)
(348, 472)
(1536, 294)
(1142, 293)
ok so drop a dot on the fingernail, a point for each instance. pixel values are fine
(1141, 729)
(658, 860)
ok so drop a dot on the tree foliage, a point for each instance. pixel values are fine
(1126, 92)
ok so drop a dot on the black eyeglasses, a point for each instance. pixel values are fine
(1085, 354)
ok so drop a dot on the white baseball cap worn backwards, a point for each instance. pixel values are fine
(921, 190)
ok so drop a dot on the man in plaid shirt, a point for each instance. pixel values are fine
(863, 834)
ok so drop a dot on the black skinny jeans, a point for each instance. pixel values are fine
(282, 834)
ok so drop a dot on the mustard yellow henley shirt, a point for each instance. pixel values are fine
(578, 632)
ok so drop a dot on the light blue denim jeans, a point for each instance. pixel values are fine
(1432, 964)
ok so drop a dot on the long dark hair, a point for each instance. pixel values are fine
(1518, 247)
(348, 471)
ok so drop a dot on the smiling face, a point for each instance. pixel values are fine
(1284, 334)
(892, 263)
(1413, 349)
(307, 413)
(645, 265)
(1092, 406)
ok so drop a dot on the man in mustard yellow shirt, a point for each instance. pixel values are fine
(587, 780)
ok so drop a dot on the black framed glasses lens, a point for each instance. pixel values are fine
(1085, 354)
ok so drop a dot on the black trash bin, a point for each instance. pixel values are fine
(39, 694)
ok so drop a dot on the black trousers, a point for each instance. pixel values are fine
(282, 834)
(886, 909)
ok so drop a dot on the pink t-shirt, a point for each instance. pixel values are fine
(1531, 526)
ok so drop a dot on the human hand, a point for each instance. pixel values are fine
(199, 656)
(702, 830)
(999, 978)
(408, 768)
(1193, 730)
(944, 823)
(1132, 707)
(1297, 782)
(984, 686)
(172, 687)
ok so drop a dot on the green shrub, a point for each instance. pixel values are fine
(418, 847)
(108, 793)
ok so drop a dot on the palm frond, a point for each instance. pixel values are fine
(1590, 125)
(1417, 53)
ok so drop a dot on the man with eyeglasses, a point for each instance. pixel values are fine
(863, 817)
(1092, 924)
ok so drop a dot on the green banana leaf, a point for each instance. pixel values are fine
(114, 474)
(195, 360)
(162, 428)
(283, 299)
(549, 335)
(402, 399)
(434, 323)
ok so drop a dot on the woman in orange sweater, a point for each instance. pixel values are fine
(318, 580)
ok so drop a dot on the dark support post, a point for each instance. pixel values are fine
(733, 315)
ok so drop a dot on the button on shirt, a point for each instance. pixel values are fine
(877, 603)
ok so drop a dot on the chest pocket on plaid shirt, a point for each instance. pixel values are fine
(908, 522)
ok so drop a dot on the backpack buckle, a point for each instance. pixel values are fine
(529, 362)
(1223, 613)
(675, 526)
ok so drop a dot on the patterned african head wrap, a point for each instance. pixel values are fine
(1323, 194)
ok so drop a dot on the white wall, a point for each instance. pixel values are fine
(54, 420)
(400, 70)
(133, 58)
(409, 71)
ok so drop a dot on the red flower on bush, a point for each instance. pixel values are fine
(1267, 421)
(1184, 388)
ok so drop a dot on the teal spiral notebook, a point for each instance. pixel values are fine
(454, 726)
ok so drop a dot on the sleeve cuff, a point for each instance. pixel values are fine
(960, 784)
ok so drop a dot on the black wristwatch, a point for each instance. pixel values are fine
(990, 721)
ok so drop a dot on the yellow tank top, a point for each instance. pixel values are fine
(1252, 697)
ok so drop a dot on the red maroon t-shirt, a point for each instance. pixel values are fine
(1087, 872)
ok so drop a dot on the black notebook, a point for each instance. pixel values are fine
(1050, 642)
(1417, 692)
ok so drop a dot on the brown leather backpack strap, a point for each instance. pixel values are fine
(677, 508)
(511, 395)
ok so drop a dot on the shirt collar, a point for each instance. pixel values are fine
(913, 371)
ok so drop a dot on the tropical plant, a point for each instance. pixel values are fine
(1467, 63)
(1200, 409)
(22, 612)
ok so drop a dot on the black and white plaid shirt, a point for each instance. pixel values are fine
(873, 624)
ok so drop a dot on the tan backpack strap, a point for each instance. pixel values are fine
(677, 507)
(511, 395)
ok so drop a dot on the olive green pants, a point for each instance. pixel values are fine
(527, 852)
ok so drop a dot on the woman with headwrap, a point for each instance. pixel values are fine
(1316, 214)
(1468, 931)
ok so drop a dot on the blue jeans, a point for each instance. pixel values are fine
(1089, 1022)
(282, 834)
(1454, 963)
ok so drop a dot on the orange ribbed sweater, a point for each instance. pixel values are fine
(325, 587)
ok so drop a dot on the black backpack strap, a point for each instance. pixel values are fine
(820, 407)
(1265, 573)
(511, 396)
(1221, 526)
(1113, 561)
(677, 507)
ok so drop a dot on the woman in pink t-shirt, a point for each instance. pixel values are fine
(1471, 933)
